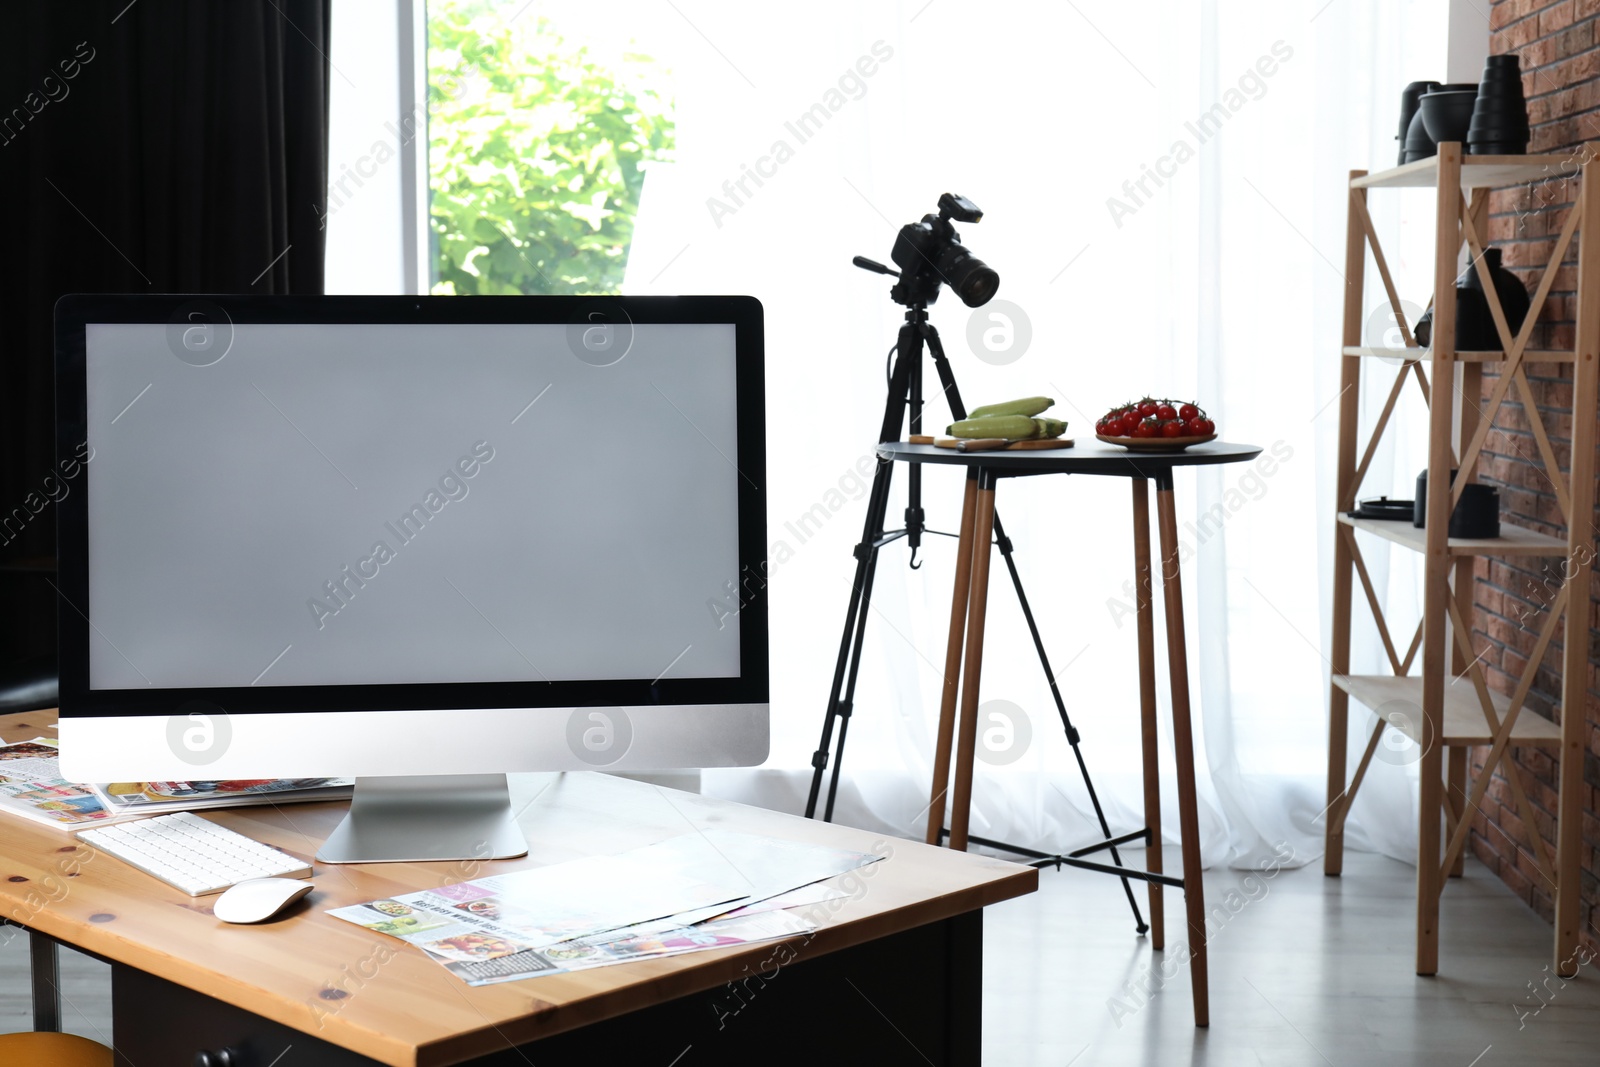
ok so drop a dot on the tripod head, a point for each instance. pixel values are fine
(930, 253)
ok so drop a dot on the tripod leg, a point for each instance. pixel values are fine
(916, 518)
(908, 354)
(952, 661)
(1144, 616)
(850, 641)
(847, 704)
(1066, 721)
(983, 530)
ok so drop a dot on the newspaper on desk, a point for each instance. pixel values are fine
(698, 891)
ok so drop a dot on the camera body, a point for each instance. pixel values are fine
(930, 253)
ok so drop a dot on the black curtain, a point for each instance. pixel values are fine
(158, 146)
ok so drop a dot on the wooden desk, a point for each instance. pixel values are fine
(892, 977)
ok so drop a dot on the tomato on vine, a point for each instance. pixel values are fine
(1156, 417)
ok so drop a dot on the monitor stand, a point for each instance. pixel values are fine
(427, 817)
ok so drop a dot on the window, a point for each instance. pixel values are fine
(539, 141)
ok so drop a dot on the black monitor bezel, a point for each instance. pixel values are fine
(75, 312)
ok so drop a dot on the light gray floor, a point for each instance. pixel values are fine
(1312, 970)
(1305, 970)
(85, 989)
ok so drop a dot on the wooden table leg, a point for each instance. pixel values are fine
(982, 534)
(1145, 624)
(952, 662)
(1194, 898)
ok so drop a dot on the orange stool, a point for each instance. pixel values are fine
(57, 1050)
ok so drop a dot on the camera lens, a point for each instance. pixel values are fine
(973, 280)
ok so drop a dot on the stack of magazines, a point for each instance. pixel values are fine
(709, 889)
(31, 786)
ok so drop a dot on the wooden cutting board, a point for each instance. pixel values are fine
(1000, 444)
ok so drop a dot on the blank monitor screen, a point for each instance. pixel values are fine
(371, 504)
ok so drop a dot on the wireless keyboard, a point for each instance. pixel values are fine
(193, 855)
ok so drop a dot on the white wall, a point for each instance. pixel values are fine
(1468, 40)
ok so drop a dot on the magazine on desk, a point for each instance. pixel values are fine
(31, 786)
(698, 891)
(156, 798)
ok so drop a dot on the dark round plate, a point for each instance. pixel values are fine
(1156, 444)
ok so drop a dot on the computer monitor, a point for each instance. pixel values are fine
(417, 541)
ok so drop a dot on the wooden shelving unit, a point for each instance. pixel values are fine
(1513, 540)
(1447, 707)
(1463, 716)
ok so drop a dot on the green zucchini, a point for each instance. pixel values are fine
(1028, 405)
(1010, 427)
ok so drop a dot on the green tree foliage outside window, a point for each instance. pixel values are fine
(536, 154)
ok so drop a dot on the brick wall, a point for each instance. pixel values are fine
(1559, 45)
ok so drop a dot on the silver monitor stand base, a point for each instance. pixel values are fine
(427, 817)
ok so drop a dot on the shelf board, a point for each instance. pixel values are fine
(1513, 540)
(1463, 715)
(1476, 172)
(1425, 355)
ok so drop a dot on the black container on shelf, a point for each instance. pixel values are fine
(1409, 100)
(1499, 125)
(1475, 330)
(1418, 145)
(1476, 514)
(1446, 113)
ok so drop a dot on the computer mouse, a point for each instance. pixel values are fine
(259, 899)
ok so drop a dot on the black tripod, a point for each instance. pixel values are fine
(905, 389)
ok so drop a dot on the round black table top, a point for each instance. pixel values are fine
(1084, 457)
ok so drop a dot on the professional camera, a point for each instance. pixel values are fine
(930, 252)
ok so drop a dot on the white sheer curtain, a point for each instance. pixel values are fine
(1164, 189)
(1214, 272)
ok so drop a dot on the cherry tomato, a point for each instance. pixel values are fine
(1206, 426)
(1191, 427)
(1147, 408)
(1146, 428)
(1187, 412)
(1126, 425)
(1166, 412)
(1172, 429)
